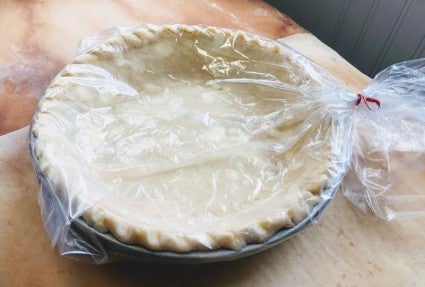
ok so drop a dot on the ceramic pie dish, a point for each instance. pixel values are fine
(186, 140)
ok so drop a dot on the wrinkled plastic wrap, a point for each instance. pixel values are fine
(194, 144)
(387, 172)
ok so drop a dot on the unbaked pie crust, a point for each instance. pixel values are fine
(176, 137)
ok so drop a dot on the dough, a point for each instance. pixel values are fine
(184, 138)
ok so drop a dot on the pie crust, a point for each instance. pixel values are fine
(184, 138)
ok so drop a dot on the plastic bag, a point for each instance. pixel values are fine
(303, 117)
(387, 171)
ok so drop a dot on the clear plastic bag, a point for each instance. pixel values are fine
(387, 172)
(263, 146)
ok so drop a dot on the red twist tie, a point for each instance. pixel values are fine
(367, 100)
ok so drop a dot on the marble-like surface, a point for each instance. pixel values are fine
(39, 37)
(347, 248)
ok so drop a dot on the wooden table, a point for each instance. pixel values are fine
(348, 248)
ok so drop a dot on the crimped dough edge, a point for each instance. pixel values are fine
(157, 239)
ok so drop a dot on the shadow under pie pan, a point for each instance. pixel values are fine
(106, 247)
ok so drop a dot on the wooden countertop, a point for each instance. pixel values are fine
(348, 248)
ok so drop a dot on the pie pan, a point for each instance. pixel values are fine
(266, 165)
